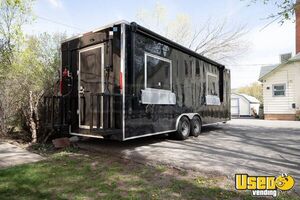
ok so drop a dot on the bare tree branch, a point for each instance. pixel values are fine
(285, 9)
(212, 39)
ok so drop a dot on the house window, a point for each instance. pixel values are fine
(212, 86)
(158, 72)
(279, 90)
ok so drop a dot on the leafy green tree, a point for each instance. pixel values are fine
(254, 89)
(13, 15)
(28, 67)
(35, 71)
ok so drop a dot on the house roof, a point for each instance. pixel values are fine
(265, 70)
(295, 58)
(249, 98)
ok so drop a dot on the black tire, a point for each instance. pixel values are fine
(196, 126)
(183, 129)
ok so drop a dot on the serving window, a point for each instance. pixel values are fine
(212, 89)
(158, 72)
(212, 84)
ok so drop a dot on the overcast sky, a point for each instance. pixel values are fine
(265, 46)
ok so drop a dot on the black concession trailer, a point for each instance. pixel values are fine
(123, 81)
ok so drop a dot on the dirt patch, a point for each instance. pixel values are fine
(163, 175)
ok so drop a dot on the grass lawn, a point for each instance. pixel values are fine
(86, 176)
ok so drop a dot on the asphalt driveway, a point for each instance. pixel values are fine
(256, 147)
(11, 155)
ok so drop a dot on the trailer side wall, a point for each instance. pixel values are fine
(191, 80)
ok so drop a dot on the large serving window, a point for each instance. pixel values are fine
(212, 89)
(212, 84)
(158, 72)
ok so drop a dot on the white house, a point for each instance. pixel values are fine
(281, 88)
(281, 82)
(243, 105)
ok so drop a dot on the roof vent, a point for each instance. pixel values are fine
(285, 57)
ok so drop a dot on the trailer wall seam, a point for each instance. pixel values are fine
(123, 76)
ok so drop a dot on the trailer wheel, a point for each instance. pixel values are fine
(183, 129)
(196, 126)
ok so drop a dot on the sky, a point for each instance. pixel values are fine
(264, 44)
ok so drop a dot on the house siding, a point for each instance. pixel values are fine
(287, 75)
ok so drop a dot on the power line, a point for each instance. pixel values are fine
(269, 23)
(74, 27)
(249, 65)
(59, 23)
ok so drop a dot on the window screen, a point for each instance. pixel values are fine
(91, 61)
(212, 85)
(88, 62)
(279, 90)
(158, 73)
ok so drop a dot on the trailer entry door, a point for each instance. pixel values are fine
(90, 83)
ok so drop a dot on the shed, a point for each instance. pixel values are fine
(243, 105)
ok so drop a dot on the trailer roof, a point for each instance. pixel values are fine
(97, 29)
(160, 38)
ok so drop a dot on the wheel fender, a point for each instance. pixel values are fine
(188, 115)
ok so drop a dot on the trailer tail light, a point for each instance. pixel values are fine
(61, 87)
(121, 80)
(65, 73)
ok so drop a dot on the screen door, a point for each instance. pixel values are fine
(90, 83)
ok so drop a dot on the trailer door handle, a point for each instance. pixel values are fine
(83, 91)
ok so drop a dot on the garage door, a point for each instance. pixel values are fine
(235, 110)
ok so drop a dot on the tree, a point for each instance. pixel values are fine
(29, 66)
(254, 89)
(285, 9)
(34, 72)
(212, 39)
(37, 70)
(13, 15)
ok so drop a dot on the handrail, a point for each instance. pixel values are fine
(104, 109)
(55, 108)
